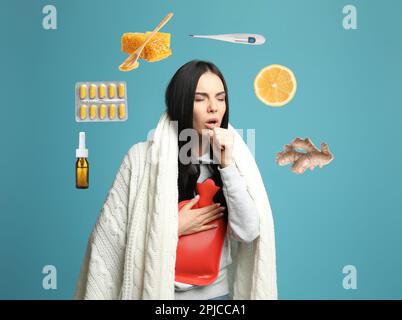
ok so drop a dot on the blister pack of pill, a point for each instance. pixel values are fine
(101, 101)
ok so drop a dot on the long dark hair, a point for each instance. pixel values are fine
(180, 94)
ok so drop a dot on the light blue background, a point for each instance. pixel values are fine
(349, 84)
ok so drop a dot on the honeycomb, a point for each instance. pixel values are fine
(158, 48)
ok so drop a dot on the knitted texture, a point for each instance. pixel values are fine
(131, 251)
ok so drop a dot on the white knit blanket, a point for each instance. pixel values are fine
(132, 249)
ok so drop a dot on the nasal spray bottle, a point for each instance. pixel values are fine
(81, 166)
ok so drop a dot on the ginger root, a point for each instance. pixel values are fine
(303, 160)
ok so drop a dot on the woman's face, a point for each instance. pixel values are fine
(209, 102)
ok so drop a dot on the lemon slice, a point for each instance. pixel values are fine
(275, 85)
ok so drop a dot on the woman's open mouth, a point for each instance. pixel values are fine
(211, 123)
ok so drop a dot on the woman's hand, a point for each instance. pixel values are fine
(195, 220)
(222, 145)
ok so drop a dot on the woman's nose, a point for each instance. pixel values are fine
(212, 107)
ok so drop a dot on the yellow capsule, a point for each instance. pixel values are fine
(112, 91)
(83, 91)
(102, 91)
(122, 110)
(102, 111)
(92, 91)
(112, 111)
(92, 112)
(83, 112)
(121, 90)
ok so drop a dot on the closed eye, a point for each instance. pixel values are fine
(221, 96)
(201, 96)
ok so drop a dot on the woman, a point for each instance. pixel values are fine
(134, 245)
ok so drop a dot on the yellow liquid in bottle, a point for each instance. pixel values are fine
(82, 173)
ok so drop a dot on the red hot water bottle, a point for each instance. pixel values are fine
(198, 255)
